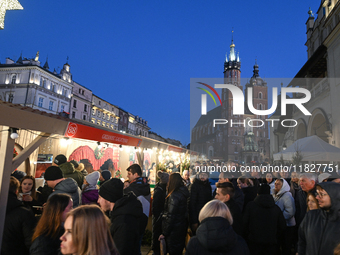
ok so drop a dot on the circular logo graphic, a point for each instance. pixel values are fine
(72, 130)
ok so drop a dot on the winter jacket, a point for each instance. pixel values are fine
(125, 224)
(89, 197)
(250, 194)
(18, 227)
(200, 194)
(158, 201)
(45, 191)
(216, 236)
(142, 192)
(263, 221)
(46, 245)
(174, 220)
(319, 232)
(236, 214)
(69, 172)
(69, 186)
(285, 201)
(301, 204)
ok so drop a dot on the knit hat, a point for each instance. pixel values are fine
(18, 174)
(263, 189)
(163, 176)
(60, 159)
(93, 178)
(74, 163)
(323, 176)
(53, 173)
(112, 190)
(106, 174)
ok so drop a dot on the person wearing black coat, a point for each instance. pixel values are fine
(125, 213)
(263, 222)
(319, 232)
(158, 201)
(248, 190)
(215, 234)
(19, 224)
(200, 194)
(174, 219)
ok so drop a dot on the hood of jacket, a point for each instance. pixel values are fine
(139, 188)
(333, 190)
(67, 168)
(216, 234)
(68, 186)
(285, 187)
(265, 200)
(12, 202)
(128, 205)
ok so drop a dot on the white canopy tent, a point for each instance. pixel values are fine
(312, 148)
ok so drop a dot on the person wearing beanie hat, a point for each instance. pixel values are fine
(163, 177)
(263, 221)
(89, 193)
(68, 169)
(157, 208)
(124, 212)
(105, 175)
(55, 180)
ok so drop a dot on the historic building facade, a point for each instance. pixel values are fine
(25, 82)
(321, 76)
(241, 141)
(104, 114)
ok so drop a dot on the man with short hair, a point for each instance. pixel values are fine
(200, 194)
(307, 184)
(55, 179)
(225, 192)
(125, 213)
(68, 169)
(238, 194)
(319, 232)
(142, 192)
(19, 224)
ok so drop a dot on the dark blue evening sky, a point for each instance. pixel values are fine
(140, 55)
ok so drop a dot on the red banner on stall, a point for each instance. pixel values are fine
(175, 149)
(80, 131)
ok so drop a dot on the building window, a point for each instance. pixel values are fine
(98, 114)
(41, 102)
(103, 123)
(75, 104)
(85, 108)
(82, 92)
(98, 122)
(260, 95)
(103, 116)
(108, 117)
(44, 83)
(50, 106)
(14, 79)
(73, 115)
(84, 117)
(99, 102)
(79, 91)
(62, 107)
(93, 120)
(93, 112)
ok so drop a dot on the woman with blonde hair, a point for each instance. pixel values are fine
(87, 232)
(215, 234)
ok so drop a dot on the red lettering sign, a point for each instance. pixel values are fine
(80, 131)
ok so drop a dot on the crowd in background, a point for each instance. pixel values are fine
(81, 211)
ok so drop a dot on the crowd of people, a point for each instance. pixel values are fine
(89, 212)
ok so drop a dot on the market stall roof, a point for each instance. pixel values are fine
(312, 148)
